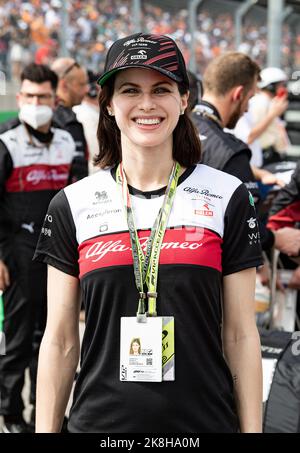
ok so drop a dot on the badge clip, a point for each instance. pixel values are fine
(141, 315)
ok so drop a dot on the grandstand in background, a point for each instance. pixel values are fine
(39, 30)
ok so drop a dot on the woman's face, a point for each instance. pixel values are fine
(135, 347)
(146, 105)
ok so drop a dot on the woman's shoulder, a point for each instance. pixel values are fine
(216, 178)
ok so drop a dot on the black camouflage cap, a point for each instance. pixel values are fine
(158, 52)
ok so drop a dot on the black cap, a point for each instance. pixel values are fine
(158, 52)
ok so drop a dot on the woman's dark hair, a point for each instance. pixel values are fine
(186, 142)
(39, 73)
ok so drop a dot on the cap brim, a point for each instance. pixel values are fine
(103, 79)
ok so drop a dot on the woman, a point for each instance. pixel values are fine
(101, 242)
(135, 347)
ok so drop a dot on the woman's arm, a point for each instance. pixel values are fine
(242, 347)
(59, 352)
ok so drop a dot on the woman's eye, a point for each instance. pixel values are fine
(130, 91)
(161, 90)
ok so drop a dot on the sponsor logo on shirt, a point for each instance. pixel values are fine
(34, 154)
(101, 197)
(251, 185)
(102, 213)
(99, 249)
(103, 228)
(205, 211)
(254, 238)
(204, 192)
(36, 176)
(251, 222)
(28, 226)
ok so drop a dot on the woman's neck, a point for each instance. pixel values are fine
(147, 169)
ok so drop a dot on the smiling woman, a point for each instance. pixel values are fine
(157, 254)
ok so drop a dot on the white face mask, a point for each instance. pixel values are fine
(35, 115)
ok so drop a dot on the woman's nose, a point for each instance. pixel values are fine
(146, 102)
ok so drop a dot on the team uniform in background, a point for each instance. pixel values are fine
(285, 210)
(211, 232)
(225, 152)
(33, 168)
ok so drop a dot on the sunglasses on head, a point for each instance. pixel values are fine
(69, 69)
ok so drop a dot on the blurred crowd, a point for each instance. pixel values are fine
(29, 30)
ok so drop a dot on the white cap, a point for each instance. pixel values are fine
(56, 3)
(271, 75)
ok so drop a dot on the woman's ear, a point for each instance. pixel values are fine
(184, 102)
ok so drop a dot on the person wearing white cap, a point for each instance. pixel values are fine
(265, 109)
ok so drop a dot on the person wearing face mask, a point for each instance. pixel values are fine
(72, 88)
(36, 161)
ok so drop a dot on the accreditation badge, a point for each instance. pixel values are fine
(141, 350)
(147, 349)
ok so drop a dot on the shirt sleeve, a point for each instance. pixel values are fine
(57, 244)
(241, 241)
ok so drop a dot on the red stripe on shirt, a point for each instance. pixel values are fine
(184, 245)
(286, 217)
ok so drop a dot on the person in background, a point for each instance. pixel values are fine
(267, 106)
(72, 87)
(35, 163)
(87, 114)
(229, 82)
